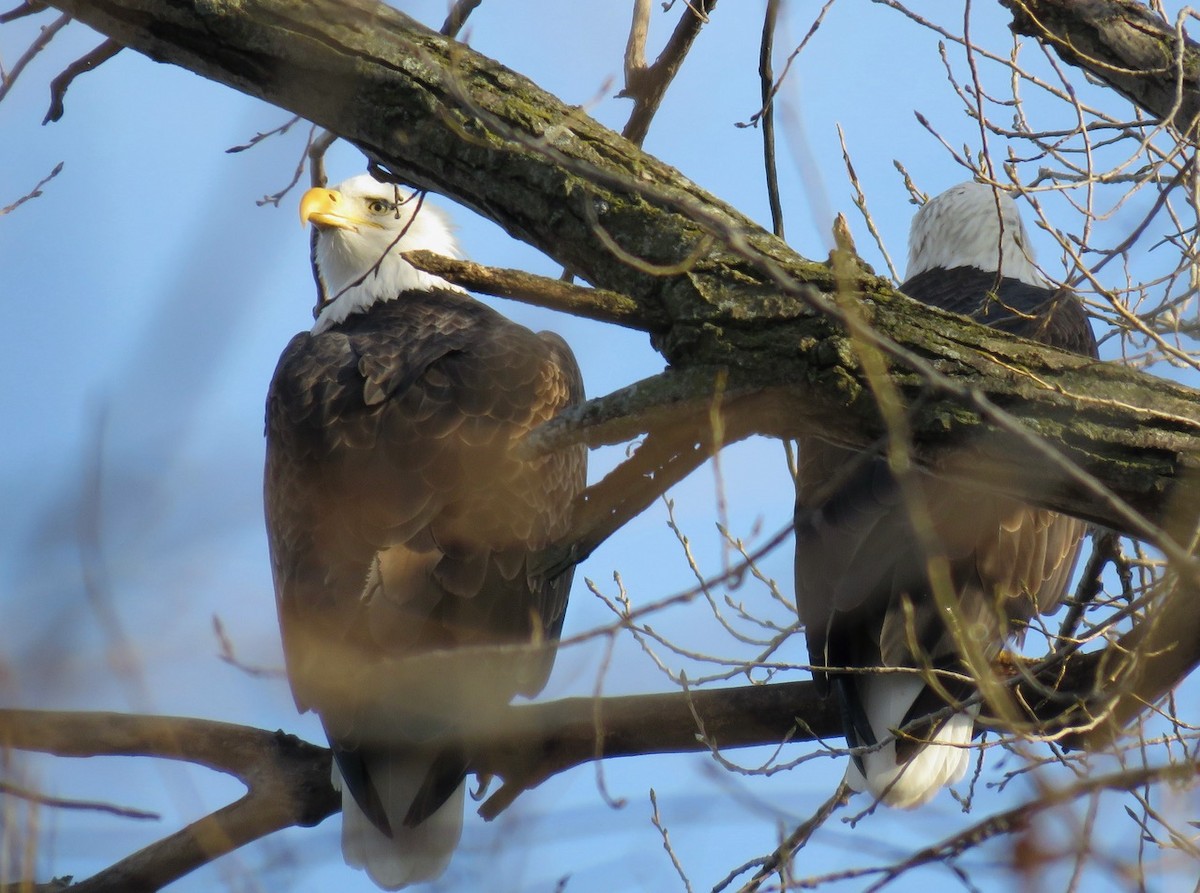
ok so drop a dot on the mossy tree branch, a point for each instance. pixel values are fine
(438, 115)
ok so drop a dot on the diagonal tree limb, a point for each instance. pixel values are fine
(33, 193)
(443, 117)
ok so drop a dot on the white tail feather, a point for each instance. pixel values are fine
(886, 699)
(412, 855)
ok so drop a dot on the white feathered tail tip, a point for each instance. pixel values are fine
(413, 855)
(943, 762)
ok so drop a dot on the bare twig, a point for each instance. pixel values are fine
(656, 820)
(541, 291)
(82, 65)
(1018, 818)
(35, 192)
(27, 8)
(769, 98)
(795, 841)
(229, 655)
(297, 172)
(650, 84)
(766, 79)
(259, 137)
(1091, 584)
(125, 812)
(457, 17)
(45, 35)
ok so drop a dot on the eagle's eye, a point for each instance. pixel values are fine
(379, 206)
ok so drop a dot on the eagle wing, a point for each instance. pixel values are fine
(861, 574)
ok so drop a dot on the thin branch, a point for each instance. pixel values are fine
(457, 17)
(541, 291)
(656, 820)
(259, 137)
(787, 850)
(769, 98)
(45, 35)
(228, 654)
(297, 172)
(1018, 818)
(27, 8)
(35, 192)
(649, 84)
(1091, 583)
(82, 65)
(766, 79)
(125, 812)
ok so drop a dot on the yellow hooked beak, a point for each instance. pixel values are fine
(327, 208)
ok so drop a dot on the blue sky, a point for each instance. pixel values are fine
(147, 300)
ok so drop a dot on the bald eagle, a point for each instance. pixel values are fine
(404, 529)
(862, 587)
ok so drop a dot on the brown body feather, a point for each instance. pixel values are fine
(404, 526)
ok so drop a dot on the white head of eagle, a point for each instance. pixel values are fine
(362, 229)
(972, 225)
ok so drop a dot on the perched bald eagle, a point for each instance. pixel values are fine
(404, 529)
(861, 582)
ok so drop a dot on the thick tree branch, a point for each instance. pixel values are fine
(443, 117)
